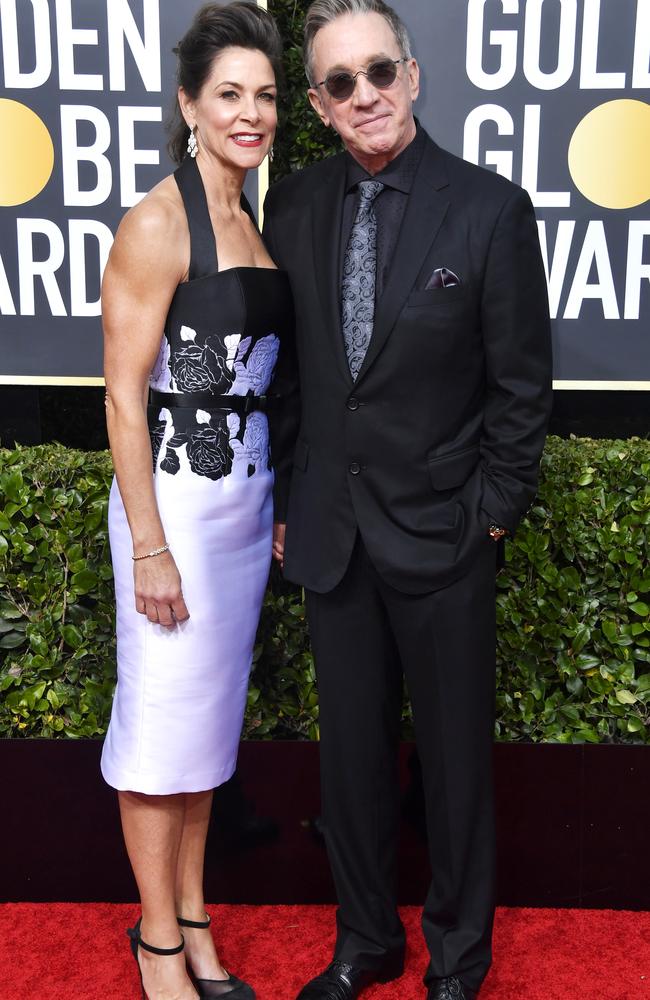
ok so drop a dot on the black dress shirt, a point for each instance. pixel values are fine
(397, 178)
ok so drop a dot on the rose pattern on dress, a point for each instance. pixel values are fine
(156, 435)
(232, 343)
(219, 362)
(201, 368)
(215, 441)
(256, 442)
(159, 378)
(189, 370)
(207, 447)
(249, 440)
(255, 373)
(171, 462)
(209, 452)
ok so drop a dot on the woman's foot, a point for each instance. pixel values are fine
(165, 977)
(201, 953)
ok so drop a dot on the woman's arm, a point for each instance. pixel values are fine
(147, 261)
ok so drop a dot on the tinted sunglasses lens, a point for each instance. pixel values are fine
(339, 85)
(382, 74)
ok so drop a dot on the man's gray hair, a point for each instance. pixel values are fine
(323, 12)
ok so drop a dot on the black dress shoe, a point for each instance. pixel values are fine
(341, 981)
(450, 988)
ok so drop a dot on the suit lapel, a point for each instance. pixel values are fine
(327, 212)
(425, 210)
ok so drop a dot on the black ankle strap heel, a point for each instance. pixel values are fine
(133, 933)
(209, 989)
(200, 925)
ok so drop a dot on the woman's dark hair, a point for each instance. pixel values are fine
(215, 28)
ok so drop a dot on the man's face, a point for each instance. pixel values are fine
(375, 125)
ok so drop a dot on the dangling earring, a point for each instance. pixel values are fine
(271, 155)
(192, 144)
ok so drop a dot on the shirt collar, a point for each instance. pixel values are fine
(398, 174)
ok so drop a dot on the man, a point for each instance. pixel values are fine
(423, 350)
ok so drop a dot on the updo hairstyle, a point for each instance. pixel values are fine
(215, 28)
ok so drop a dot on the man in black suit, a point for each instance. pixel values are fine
(423, 352)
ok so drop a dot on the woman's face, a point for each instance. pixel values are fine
(235, 112)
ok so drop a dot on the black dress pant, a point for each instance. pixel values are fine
(366, 636)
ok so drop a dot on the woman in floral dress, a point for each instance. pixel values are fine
(194, 316)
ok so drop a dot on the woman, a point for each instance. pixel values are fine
(194, 312)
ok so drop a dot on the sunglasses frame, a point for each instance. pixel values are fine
(362, 72)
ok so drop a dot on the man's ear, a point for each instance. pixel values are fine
(317, 105)
(413, 71)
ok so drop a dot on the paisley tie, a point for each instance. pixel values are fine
(359, 274)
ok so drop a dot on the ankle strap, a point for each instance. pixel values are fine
(134, 934)
(199, 924)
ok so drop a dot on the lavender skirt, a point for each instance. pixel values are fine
(181, 693)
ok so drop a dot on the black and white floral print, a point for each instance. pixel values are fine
(160, 374)
(171, 462)
(206, 445)
(156, 435)
(254, 365)
(213, 441)
(256, 440)
(250, 441)
(209, 452)
(201, 367)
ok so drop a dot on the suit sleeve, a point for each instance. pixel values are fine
(517, 342)
(284, 417)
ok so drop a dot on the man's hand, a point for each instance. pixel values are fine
(278, 542)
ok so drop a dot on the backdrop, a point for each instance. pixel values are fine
(552, 93)
(88, 85)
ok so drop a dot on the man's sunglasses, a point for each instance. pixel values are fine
(380, 74)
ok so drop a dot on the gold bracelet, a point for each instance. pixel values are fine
(154, 552)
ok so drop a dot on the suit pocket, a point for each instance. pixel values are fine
(301, 455)
(450, 471)
(436, 296)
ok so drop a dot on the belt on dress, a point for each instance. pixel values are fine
(210, 401)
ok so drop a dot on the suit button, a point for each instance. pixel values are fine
(354, 468)
(353, 403)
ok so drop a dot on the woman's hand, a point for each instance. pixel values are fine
(158, 593)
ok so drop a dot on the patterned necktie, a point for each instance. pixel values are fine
(359, 278)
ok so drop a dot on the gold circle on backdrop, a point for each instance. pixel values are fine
(27, 153)
(609, 154)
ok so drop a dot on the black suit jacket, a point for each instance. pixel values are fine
(444, 427)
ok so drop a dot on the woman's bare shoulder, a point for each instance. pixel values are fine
(156, 227)
(159, 216)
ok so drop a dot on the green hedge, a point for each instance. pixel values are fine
(573, 614)
(57, 649)
(301, 137)
(574, 621)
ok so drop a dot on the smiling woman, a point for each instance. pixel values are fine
(194, 314)
(236, 107)
(196, 53)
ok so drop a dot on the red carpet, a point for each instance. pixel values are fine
(80, 952)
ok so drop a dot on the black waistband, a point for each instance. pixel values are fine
(210, 401)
